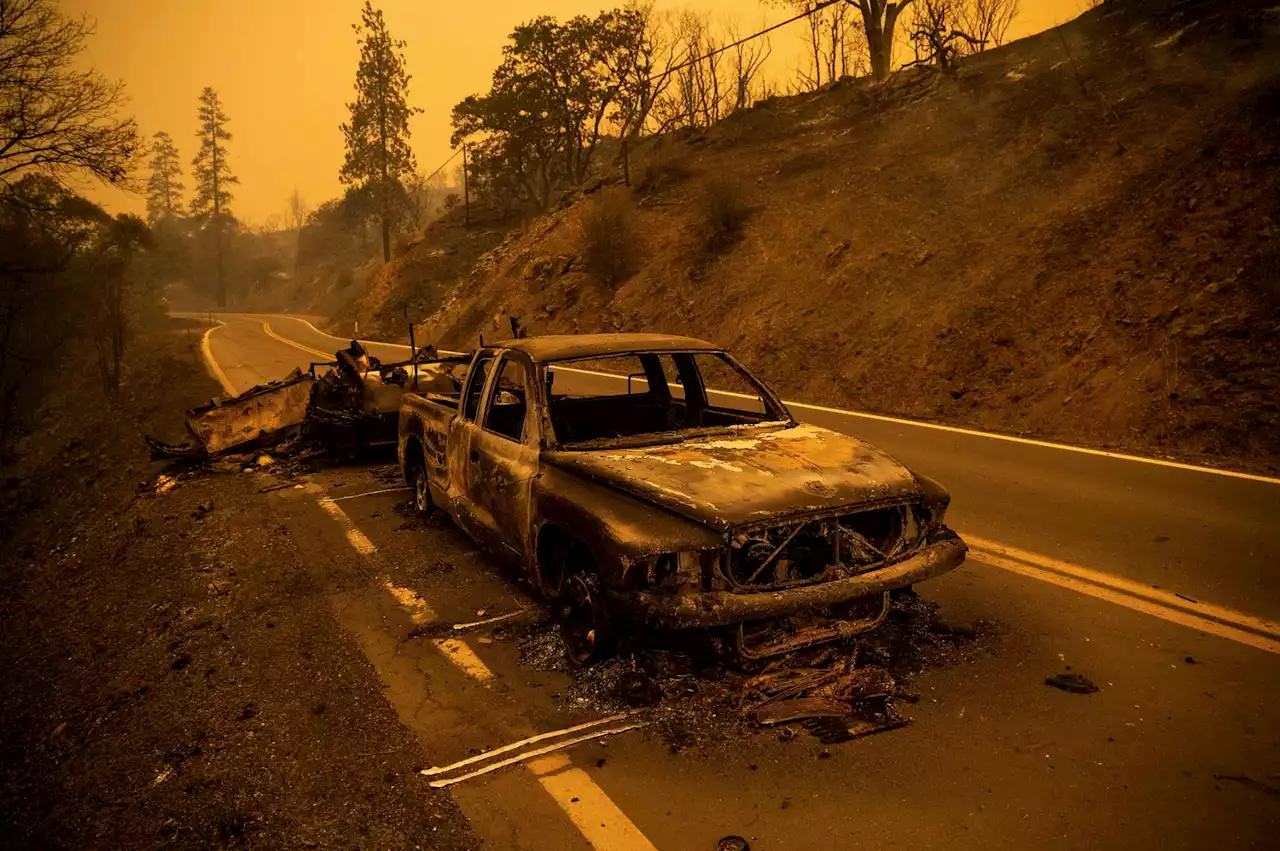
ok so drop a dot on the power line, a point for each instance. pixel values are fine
(452, 157)
(745, 39)
(669, 71)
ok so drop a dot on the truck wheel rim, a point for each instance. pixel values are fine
(580, 623)
(421, 498)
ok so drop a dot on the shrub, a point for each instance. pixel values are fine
(722, 212)
(610, 245)
(659, 173)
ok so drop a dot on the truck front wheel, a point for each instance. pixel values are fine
(584, 623)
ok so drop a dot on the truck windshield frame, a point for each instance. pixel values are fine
(637, 403)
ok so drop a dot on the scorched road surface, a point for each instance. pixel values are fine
(1179, 749)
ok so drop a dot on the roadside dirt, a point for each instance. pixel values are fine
(174, 673)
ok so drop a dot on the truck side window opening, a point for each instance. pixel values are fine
(480, 375)
(726, 389)
(505, 414)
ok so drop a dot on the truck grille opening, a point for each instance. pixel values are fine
(823, 549)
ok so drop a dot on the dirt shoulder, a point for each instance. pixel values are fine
(174, 673)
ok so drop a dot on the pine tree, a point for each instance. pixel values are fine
(212, 177)
(377, 135)
(164, 186)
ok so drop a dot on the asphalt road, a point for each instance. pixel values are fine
(1209, 537)
(1179, 749)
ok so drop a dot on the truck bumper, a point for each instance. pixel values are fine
(724, 608)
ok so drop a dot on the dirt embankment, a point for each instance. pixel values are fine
(174, 676)
(1076, 237)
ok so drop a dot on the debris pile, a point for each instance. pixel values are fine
(852, 701)
(354, 404)
(836, 692)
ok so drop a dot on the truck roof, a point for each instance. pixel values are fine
(554, 347)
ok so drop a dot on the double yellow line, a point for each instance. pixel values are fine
(266, 329)
(1204, 617)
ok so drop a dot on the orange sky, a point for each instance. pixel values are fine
(284, 70)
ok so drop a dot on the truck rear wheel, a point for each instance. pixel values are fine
(422, 501)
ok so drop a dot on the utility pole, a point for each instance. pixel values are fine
(466, 189)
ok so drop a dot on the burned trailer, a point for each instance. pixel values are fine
(357, 402)
(353, 404)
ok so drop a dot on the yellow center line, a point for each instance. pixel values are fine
(266, 329)
(212, 364)
(1205, 617)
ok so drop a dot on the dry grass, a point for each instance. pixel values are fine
(610, 242)
(722, 212)
(660, 173)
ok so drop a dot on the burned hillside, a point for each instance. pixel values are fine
(1072, 237)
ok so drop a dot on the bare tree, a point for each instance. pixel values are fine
(745, 63)
(988, 20)
(712, 79)
(936, 34)
(54, 118)
(835, 45)
(879, 22)
(642, 69)
(295, 214)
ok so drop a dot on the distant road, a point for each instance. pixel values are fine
(1197, 538)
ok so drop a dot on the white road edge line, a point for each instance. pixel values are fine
(589, 808)
(598, 818)
(1203, 617)
(541, 737)
(370, 493)
(359, 540)
(1044, 444)
(439, 784)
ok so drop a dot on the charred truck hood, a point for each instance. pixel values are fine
(750, 477)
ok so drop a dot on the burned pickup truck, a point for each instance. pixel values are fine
(645, 480)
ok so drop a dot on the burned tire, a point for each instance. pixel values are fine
(422, 500)
(584, 623)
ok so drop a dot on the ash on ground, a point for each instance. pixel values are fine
(696, 698)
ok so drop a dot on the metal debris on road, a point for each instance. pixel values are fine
(850, 701)
(1073, 683)
(521, 757)
(496, 619)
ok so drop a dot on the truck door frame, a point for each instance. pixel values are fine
(502, 469)
(462, 429)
